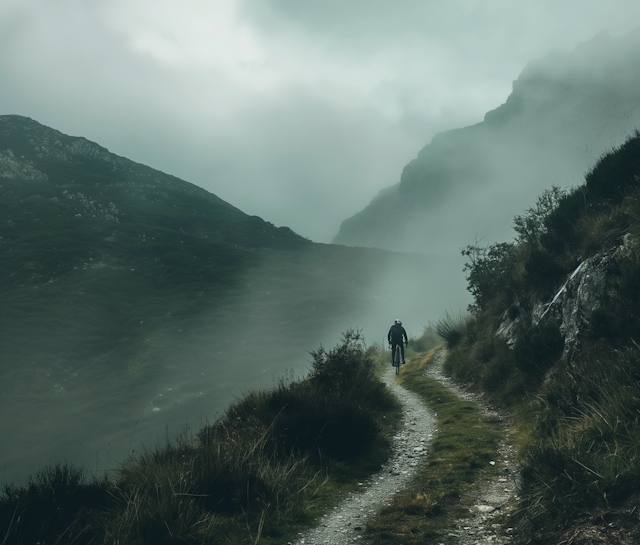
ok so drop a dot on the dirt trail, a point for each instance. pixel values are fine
(410, 445)
(494, 496)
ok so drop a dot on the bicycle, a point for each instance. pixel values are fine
(396, 358)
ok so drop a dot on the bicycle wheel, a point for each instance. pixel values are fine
(396, 359)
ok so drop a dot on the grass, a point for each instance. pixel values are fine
(581, 450)
(274, 463)
(459, 457)
(451, 328)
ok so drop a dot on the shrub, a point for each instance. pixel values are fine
(617, 171)
(49, 504)
(490, 271)
(537, 348)
(343, 369)
(333, 412)
(542, 271)
(531, 224)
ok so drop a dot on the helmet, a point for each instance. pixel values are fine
(398, 322)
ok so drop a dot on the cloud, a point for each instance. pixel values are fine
(279, 106)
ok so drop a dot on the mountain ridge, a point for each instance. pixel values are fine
(564, 111)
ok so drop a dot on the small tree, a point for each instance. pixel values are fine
(531, 224)
(344, 367)
(489, 271)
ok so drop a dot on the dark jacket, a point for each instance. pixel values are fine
(397, 335)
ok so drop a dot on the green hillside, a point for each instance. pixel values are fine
(553, 335)
(98, 249)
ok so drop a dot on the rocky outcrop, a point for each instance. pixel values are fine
(19, 168)
(588, 288)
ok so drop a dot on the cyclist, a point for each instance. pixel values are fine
(397, 335)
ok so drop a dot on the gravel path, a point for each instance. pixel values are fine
(410, 445)
(495, 495)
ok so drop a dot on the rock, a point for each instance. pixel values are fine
(586, 289)
(585, 292)
(19, 168)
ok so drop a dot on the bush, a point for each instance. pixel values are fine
(531, 224)
(537, 348)
(344, 369)
(490, 271)
(616, 172)
(542, 272)
(333, 413)
(49, 504)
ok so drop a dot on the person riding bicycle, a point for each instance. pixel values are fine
(397, 335)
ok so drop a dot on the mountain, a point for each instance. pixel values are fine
(564, 111)
(131, 300)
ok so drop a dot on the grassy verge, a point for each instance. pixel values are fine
(276, 461)
(459, 457)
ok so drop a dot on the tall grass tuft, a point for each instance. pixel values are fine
(49, 503)
(584, 451)
(452, 328)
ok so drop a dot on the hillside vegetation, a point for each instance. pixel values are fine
(553, 334)
(272, 463)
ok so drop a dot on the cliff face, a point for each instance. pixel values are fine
(564, 111)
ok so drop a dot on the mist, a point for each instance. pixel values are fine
(97, 416)
(465, 187)
(297, 114)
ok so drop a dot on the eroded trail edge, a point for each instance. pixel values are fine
(410, 446)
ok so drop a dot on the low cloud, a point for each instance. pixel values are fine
(297, 112)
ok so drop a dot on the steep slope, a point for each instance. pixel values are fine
(554, 336)
(131, 300)
(563, 112)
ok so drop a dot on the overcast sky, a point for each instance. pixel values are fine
(293, 110)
